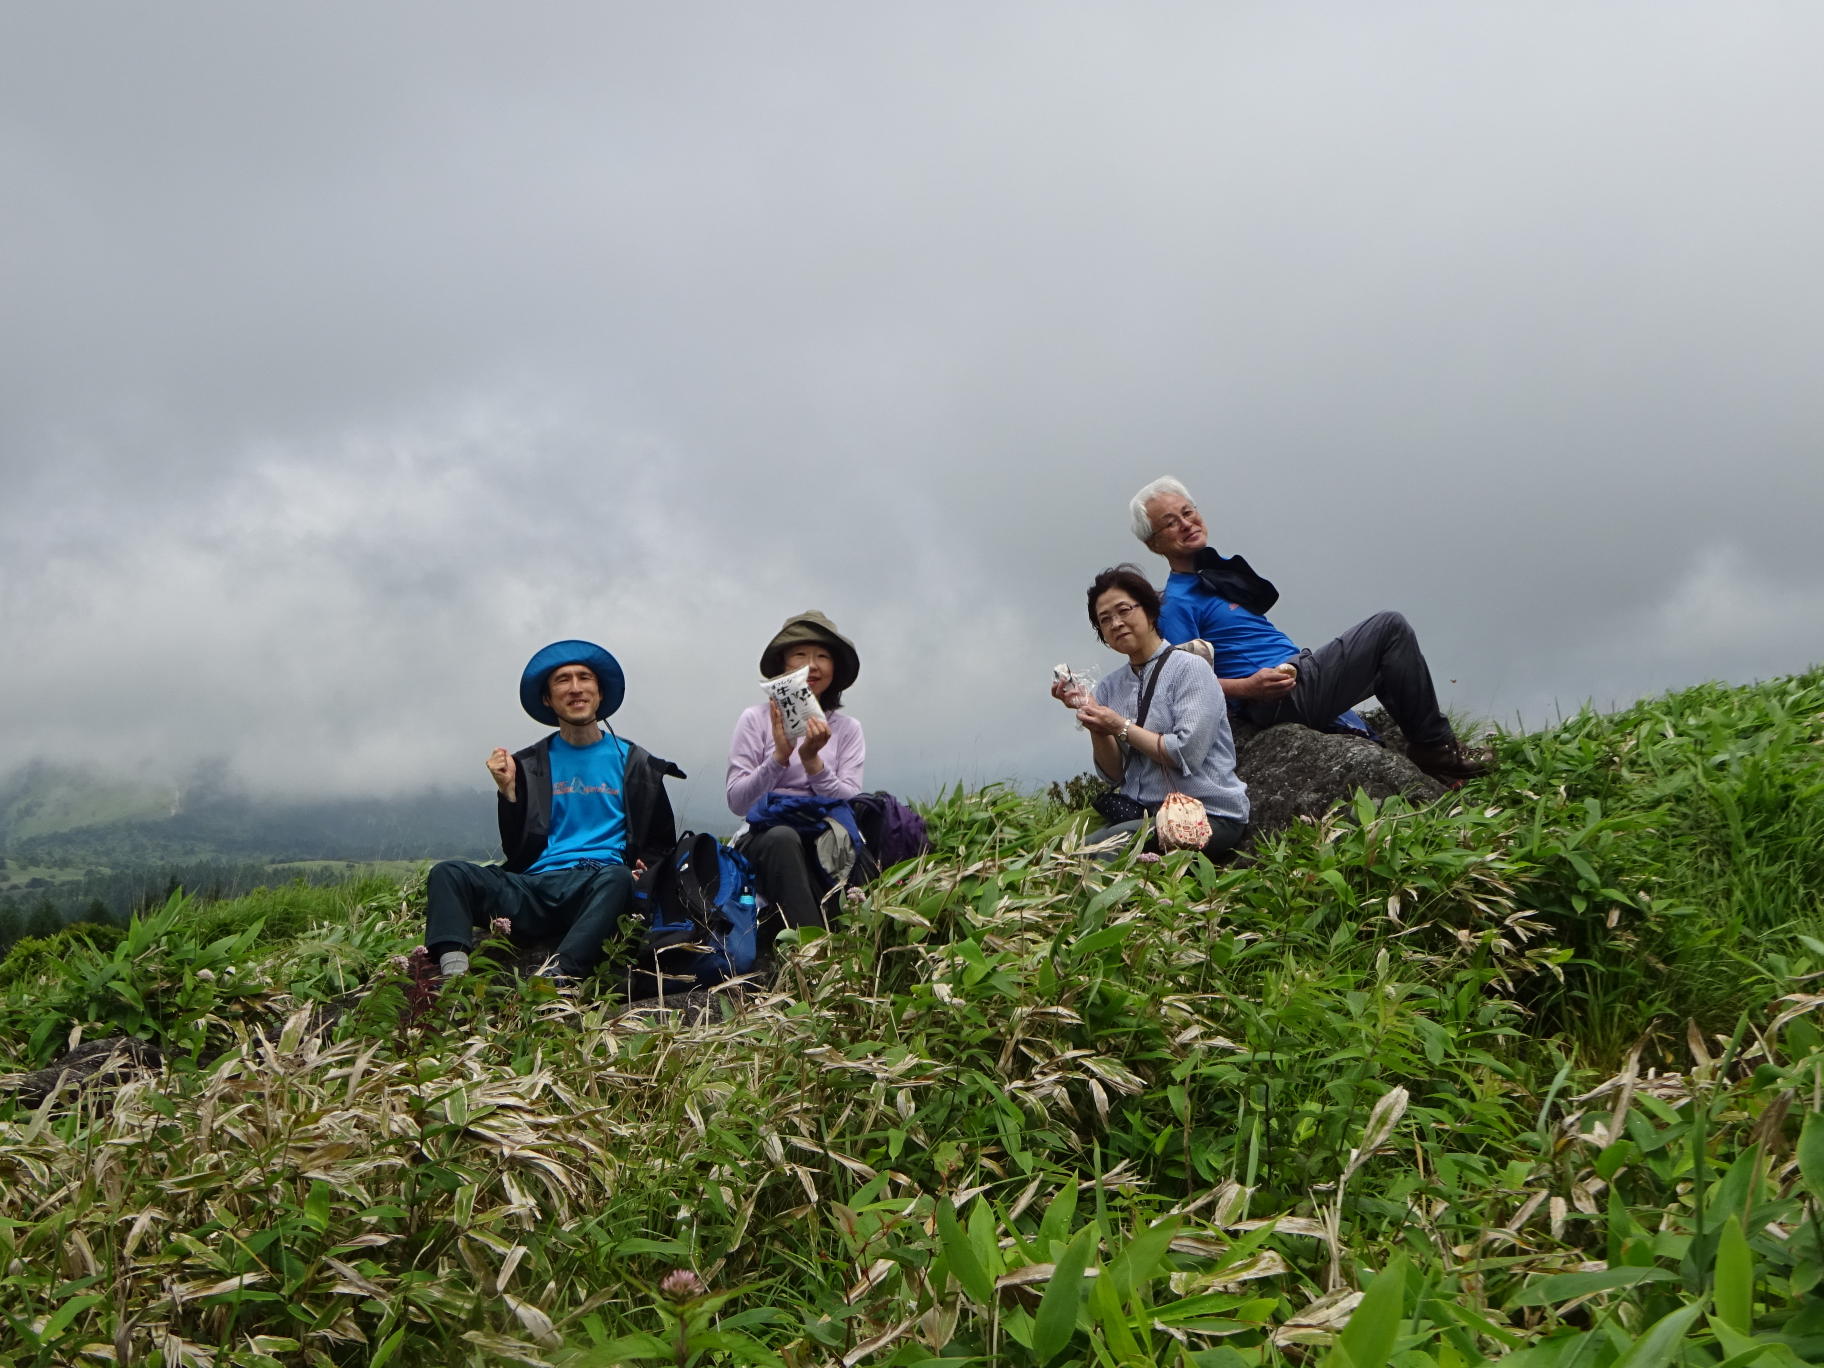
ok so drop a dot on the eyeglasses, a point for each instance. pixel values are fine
(1120, 610)
(1173, 521)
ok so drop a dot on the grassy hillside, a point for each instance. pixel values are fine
(41, 800)
(1532, 1077)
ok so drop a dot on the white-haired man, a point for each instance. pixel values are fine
(1223, 601)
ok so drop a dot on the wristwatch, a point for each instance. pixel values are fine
(1121, 736)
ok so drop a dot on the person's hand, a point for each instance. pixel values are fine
(1103, 721)
(1070, 695)
(816, 737)
(639, 868)
(1268, 685)
(500, 765)
(782, 744)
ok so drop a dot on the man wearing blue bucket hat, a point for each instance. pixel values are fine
(576, 810)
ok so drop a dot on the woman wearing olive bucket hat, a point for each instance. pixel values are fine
(764, 760)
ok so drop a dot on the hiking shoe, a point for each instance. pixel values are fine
(1452, 763)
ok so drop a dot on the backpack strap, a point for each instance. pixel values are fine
(651, 885)
(700, 881)
(665, 886)
(1152, 682)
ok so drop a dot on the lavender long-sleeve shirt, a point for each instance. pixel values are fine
(753, 773)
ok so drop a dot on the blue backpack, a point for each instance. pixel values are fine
(700, 911)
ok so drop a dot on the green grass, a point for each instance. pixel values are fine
(1530, 1077)
(398, 870)
(17, 877)
(43, 806)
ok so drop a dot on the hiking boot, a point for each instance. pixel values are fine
(1452, 763)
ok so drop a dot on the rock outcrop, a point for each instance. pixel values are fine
(1293, 772)
(109, 1063)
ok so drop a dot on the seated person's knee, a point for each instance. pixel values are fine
(778, 840)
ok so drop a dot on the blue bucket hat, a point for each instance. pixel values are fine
(540, 668)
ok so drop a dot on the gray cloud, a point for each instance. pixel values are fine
(353, 352)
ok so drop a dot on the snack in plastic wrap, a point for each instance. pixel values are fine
(1078, 686)
(797, 704)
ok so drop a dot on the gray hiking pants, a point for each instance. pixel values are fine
(782, 869)
(1377, 657)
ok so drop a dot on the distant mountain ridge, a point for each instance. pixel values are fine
(63, 816)
(41, 799)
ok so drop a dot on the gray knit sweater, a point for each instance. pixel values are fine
(1189, 711)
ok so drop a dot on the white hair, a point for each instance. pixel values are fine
(1165, 484)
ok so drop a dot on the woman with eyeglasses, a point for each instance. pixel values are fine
(1159, 724)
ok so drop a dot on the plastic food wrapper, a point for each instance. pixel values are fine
(797, 704)
(1079, 686)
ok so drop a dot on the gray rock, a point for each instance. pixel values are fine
(1385, 728)
(1293, 772)
(107, 1063)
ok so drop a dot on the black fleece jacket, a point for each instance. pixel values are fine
(525, 823)
(1232, 579)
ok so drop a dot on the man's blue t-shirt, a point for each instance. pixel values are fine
(1241, 642)
(588, 813)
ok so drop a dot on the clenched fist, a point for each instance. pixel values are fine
(500, 765)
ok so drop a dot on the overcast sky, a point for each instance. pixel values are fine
(351, 352)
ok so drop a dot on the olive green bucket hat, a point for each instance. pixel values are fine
(803, 628)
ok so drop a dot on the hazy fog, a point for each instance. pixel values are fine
(351, 352)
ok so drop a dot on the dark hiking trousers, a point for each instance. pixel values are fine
(577, 908)
(782, 869)
(1378, 656)
(1225, 835)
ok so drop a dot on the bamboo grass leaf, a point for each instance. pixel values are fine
(1659, 1345)
(1135, 1263)
(1381, 1122)
(388, 1347)
(1054, 1227)
(1563, 1287)
(1811, 1155)
(960, 1253)
(1056, 1320)
(1111, 1318)
(66, 1314)
(1367, 1340)
(1734, 1290)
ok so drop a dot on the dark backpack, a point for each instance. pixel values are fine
(891, 830)
(700, 913)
